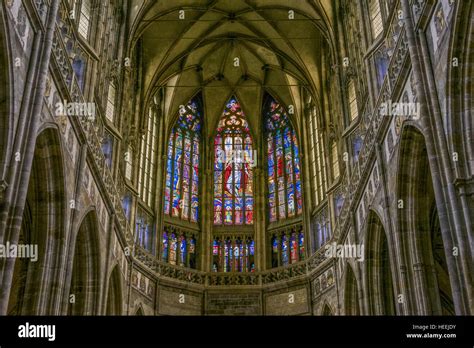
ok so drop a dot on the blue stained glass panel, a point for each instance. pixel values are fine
(164, 250)
(284, 250)
(283, 164)
(182, 173)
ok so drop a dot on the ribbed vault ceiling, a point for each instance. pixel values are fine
(199, 52)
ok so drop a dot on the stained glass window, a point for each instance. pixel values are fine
(173, 248)
(127, 204)
(357, 142)
(145, 231)
(284, 181)
(275, 251)
(178, 248)
(233, 175)
(284, 250)
(322, 229)
(79, 66)
(338, 202)
(108, 148)
(165, 246)
(233, 254)
(382, 60)
(287, 247)
(301, 245)
(182, 165)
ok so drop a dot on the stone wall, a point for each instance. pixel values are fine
(179, 302)
(291, 302)
(238, 303)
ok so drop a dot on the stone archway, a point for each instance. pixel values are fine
(114, 293)
(440, 264)
(351, 293)
(429, 287)
(36, 284)
(139, 311)
(380, 291)
(85, 278)
(327, 311)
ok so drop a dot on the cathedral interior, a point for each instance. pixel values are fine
(236, 157)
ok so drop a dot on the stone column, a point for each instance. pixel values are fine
(400, 281)
(305, 163)
(20, 172)
(260, 233)
(435, 145)
(160, 178)
(207, 216)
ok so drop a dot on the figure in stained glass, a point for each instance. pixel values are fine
(283, 163)
(233, 204)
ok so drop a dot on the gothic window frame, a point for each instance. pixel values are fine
(233, 253)
(321, 228)
(317, 159)
(381, 61)
(187, 134)
(128, 159)
(85, 16)
(145, 230)
(356, 139)
(127, 204)
(178, 246)
(233, 125)
(287, 246)
(148, 157)
(110, 102)
(335, 162)
(80, 65)
(375, 19)
(275, 139)
(352, 101)
(108, 145)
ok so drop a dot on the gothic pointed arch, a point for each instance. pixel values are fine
(114, 293)
(351, 293)
(233, 245)
(85, 274)
(182, 186)
(36, 285)
(283, 162)
(140, 311)
(327, 311)
(182, 163)
(233, 172)
(380, 286)
(425, 251)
